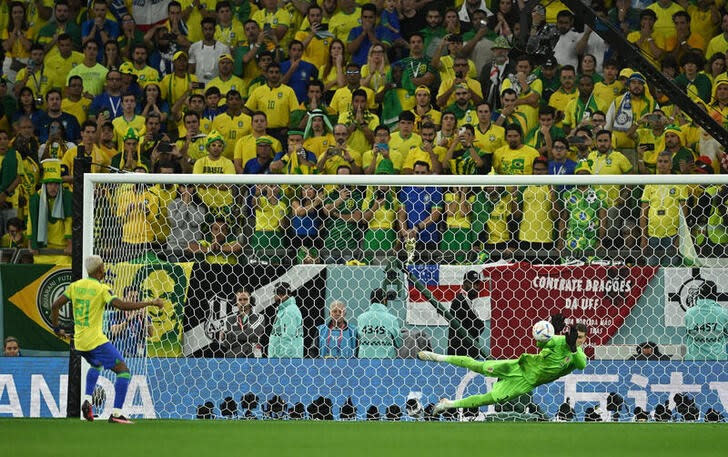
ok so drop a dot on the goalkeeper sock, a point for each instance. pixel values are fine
(465, 362)
(91, 377)
(120, 388)
(474, 400)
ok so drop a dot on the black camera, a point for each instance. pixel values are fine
(459, 74)
(648, 146)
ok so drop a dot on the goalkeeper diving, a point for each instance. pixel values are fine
(559, 356)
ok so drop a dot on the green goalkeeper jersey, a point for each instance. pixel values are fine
(554, 361)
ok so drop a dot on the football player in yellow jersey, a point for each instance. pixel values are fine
(89, 298)
(233, 124)
(607, 90)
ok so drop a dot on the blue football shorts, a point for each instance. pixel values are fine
(105, 355)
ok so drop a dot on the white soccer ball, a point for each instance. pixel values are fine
(543, 331)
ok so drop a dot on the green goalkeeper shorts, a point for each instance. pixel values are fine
(511, 382)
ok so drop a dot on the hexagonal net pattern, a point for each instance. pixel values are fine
(415, 298)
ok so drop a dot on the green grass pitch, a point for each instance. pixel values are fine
(161, 438)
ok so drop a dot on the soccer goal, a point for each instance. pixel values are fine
(292, 296)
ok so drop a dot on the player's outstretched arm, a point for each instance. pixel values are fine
(132, 305)
(579, 356)
(55, 309)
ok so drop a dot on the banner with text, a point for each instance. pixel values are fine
(598, 296)
(37, 386)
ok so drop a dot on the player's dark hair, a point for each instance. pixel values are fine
(369, 7)
(514, 127)
(207, 20)
(603, 132)
(580, 327)
(359, 93)
(407, 116)
(547, 110)
(381, 127)
(421, 163)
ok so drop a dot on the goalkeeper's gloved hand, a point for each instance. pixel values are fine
(571, 338)
(557, 320)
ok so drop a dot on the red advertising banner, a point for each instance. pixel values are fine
(521, 294)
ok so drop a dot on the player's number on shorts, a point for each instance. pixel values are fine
(82, 311)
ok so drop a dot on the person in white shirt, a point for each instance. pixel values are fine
(204, 54)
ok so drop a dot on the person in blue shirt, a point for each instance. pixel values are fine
(297, 72)
(109, 101)
(561, 164)
(44, 119)
(99, 29)
(421, 211)
(361, 38)
(706, 325)
(337, 337)
(378, 331)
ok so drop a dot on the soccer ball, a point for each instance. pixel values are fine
(543, 331)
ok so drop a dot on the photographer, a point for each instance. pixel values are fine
(297, 161)
(379, 331)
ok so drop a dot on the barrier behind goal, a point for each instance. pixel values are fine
(625, 255)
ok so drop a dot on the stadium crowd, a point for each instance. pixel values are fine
(352, 87)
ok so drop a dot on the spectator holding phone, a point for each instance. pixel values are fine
(649, 134)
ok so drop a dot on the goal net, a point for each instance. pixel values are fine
(295, 297)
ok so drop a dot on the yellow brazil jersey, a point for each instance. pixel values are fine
(89, 298)
(319, 144)
(701, 22)
(432, 115)
(378, 79)
(215, 198)
(498, 221)
(659, 40)
(317, 51)
(341, 101)
(612, 163)
(231, 129)
(197, 148)
(205, 126)
(640, 107)
(341, 23)
(280, 17)
(57, 68)
(552, 10)
(647, 136)
(145, 75)
(34, 20)
(560, 100)
(459, 219)
(357, 141)
(269, 216)
(59, 231)
(530, 112)
(245, 148)
(664, 25)
(473, 84)
(277, 103)
(490, 140)
(447, 71)
(332, 164)
(663, 216)
(137, 211)
(507, 161)
(18, 50)
(78, 109)
(418, 155)
(716, 45)
(328, 78)
(99, 157)
(165, 196)
(537, 223)
(399, 147)
(605, 93)
(385, 216)
(232, 83)
(122, 126)
(38, 81)
(194, 20)
(231, 35)
(173, 87)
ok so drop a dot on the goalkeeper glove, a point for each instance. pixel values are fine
(557, 320)
(571, 338)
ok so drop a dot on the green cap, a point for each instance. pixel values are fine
(295, 132)
(583, 166)
(263, 140)
(131, 134)
(214, 136)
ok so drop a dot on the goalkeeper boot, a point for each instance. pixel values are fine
(119, 420)
(87, 411)
(430, 356)
(442, 406)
